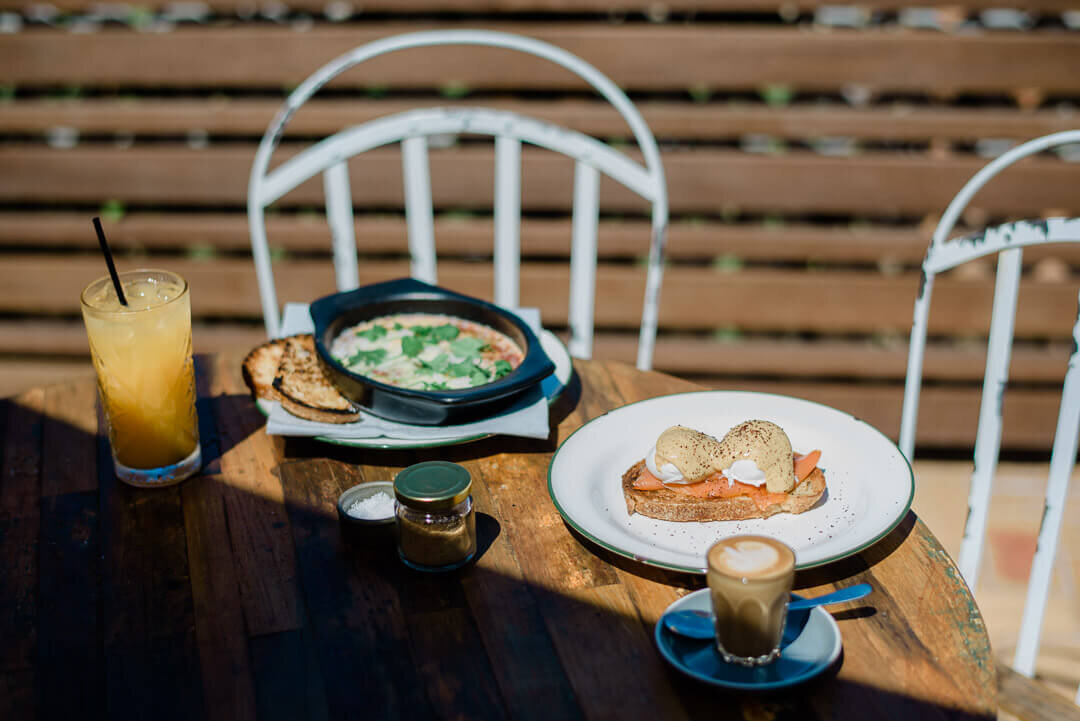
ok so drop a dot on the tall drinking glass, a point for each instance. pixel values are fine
(146, 378)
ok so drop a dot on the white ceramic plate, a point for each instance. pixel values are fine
(869, 482)
(552, 386)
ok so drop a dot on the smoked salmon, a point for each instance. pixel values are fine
(718, 486)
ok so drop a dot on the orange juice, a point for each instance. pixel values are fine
(146, 379)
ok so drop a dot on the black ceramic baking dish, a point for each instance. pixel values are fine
(339, 311)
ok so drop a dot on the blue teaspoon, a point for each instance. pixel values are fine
(699, 624)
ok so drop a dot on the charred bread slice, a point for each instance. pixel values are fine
(260, 367)
(305, 390)
(671, 505)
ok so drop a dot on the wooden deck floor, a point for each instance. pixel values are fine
(1016, 509)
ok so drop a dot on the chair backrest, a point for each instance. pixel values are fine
(413, 128)
(1007, 241)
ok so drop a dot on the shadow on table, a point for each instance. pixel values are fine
(564, 650)
(838, 572)
(253, 609)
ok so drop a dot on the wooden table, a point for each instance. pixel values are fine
(232, 596)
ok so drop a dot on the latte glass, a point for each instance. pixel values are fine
(750, 579)
(142, 355)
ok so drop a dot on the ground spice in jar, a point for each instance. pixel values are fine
(436, 523)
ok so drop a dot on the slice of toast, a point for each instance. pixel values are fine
(304, 389)
(260, 367)
(670, 505)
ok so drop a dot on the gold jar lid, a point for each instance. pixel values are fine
(433, 485)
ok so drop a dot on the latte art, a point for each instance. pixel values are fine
(749, 556)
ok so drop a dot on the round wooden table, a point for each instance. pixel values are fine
(233, 595)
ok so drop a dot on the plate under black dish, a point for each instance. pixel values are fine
(334, 313)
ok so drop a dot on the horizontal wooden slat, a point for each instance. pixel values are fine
(699, 181)
(831, 358)
(652, 9)
(67, 338)
(693, 298)
(636, 57)
(472, 236)
(456, 236)
(240, 116)
(1030, 699)
(681, 355)
(21, 374)
(947, 416)
(947, 419)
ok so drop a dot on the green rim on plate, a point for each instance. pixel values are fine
(577, 526)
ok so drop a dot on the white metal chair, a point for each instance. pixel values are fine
(1007, 241)
(413, 128)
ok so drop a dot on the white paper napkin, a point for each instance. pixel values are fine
(527, 417)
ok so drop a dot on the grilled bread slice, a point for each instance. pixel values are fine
(305, 390)
(260, 367)
(669, 505)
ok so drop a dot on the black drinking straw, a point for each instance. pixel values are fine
(109, 261)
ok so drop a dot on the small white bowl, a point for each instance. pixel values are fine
(358, 493)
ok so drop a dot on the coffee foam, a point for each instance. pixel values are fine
(749, 557)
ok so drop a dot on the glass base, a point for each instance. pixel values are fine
(160, 477)
(749, 661)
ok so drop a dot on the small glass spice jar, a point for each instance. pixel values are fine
(436, 524)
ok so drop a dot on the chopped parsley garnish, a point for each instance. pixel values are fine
(457, 370)
(444, 332)
(468, 368)
(373, 333)
(467, 347)
(412, 346)
(438, 364)
(370, 357)
(432, 355)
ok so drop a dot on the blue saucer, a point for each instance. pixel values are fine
(811, 644)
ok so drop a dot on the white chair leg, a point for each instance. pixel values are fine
(988, 435)
(1062, 459)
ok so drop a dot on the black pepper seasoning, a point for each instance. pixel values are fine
(436, 523)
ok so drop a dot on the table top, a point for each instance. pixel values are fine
(234, 596)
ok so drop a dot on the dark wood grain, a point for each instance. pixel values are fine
(263, 556)
(20, 521)
(533, 681)
(71, 672)
(216, 604)
(140, 604)
(353, 609)
(152, 666)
